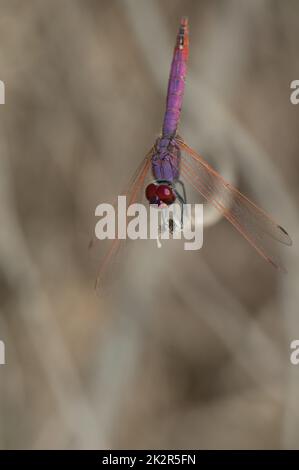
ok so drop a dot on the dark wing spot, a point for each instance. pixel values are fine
(284, 231)
(289, 241)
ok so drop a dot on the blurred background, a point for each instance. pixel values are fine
(182, 349)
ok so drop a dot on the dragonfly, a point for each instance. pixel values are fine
(171, 159)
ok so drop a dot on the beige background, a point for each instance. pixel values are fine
(181, 350)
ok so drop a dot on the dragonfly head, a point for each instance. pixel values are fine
(160, 193)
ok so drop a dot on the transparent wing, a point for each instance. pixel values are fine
(251, 221)
(132, 192)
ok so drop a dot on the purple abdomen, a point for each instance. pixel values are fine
(176, 83)
(167, 157)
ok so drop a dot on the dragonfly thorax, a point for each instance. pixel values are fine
(166, 159)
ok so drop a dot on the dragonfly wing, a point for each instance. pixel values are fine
(132, 193)
(253, 223)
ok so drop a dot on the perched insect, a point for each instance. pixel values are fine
(171, 157)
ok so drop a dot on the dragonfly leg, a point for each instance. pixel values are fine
(184, 196)
(182, 199)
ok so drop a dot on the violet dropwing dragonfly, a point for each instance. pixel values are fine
(171, 157)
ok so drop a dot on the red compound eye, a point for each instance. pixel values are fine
(151, 193)
(165, 194)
